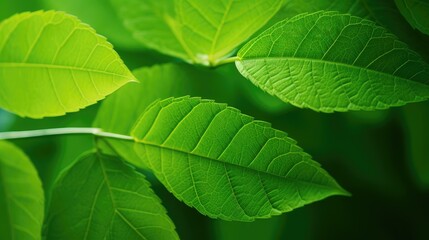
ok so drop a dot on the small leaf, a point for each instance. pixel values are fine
(224, 163)
(100, 197)
(334, 62)
(21, 196)
(51, 64)
(416, 12)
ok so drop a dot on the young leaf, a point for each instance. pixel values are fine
(224, 163)
(334, 62)
(100, 197)
(51, 64)
(212, 29)
(416, 12)
(21, 196)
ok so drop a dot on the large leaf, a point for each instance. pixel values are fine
(122, 109)
(334, 62)
(224, 163)
(51, 64)
(416, 12)
(197, 31)
(100, 197)
(21, 196)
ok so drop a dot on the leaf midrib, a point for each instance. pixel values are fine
(333, 63)
(62, 67)
(233, 164)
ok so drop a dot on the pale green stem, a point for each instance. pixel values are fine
(61, 131)
(227, 60)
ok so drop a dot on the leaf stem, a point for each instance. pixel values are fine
(227, 60)
(61, 131)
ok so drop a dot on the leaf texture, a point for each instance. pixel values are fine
(51, 64)
(21, 196)
(224, 163)
(99, 197)
(329, 62)
(416, 12)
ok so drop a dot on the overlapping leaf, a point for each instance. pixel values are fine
(416, 12)
(51, 64)
(198, 31)
(334, 62)
(122, 109)
(21, 196)
(100, 197)
(224, 163)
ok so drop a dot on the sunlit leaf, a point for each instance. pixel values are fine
(334, 62)
(21, 196)
(100, 197)
(224, 163)
(51, 64)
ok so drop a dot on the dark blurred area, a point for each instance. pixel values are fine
(381, 158)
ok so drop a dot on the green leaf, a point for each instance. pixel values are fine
(224, 163)
(334, 62)
(212, 29)
(100, 197)
(122, 109)
(21, 196)
(196, 31)
(416, 12)
(51, 64)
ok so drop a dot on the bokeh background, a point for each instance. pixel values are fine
(381, 157)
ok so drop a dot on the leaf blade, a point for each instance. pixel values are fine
(416, 12)
(180, 140)
(21, 202)
(67, 75)
(334, 62)
(118, 201)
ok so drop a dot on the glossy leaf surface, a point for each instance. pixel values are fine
(51, 64)
(334, 62)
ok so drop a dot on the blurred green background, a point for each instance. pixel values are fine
(382, 157)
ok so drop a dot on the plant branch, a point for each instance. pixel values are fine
(227, 60)
(61, 131)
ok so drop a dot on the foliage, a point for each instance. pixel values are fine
(158, 124)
